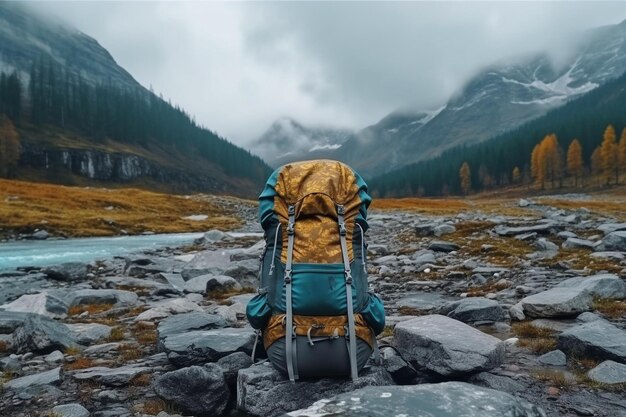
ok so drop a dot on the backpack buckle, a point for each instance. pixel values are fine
(341, 210)
(288, 276)
(290, 229)
(291, 210)
(342, 229)
(348, 277)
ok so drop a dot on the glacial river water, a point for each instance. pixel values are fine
(50, 252)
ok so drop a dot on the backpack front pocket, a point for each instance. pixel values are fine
(320, 289)
(258, 311)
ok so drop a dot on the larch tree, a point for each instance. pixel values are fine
(536, 165)
(465, 175)
(608, 154)
(9, 148)
(575, 164)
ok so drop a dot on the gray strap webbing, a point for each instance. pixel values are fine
(289, 336)
(346, 265)
(377, 358)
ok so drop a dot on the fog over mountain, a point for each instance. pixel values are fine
(239, 67)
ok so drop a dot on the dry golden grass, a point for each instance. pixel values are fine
(3, 346)
(387, 331)
(141, 380)
(555, 378)
(129, 352)
(154, 406)
(80, 363)
(536, 339)
(604, 205)
(145, 335)
(223, 295)
(74, 211)
(580, 258)
(72, 351)
(90, 308)
(421, 205)
(483, 290)
(140, 291)
(610, 308)
(117, 334)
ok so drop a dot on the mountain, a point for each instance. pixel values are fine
(584, 118)
(496, 100)
(83, 119)
(286, 141)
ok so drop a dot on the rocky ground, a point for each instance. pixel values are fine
(519, 314)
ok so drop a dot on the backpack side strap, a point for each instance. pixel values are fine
(289, 345)
(346, 265)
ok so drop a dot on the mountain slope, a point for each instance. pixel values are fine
(83, 118)
(496, 100)
(287, 140)
(584, 118)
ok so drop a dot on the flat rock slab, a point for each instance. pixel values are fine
(553, 358)
(52, 377)
(213, 262)
(43, 303)
(442, 246)
(119, 298)
(446, 347)
(597, 339)
(557, 302)
(426, 302)
(448, 399)
(474, 309)
(263, 391)
(609, 372)
(600, 285)
(167, 308)
(89, 333)
(114, 377)
(202, 346)
(574, 243)
(69, 271)
(546, 227)
(196, 320)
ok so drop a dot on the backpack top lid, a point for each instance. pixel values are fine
(315, 188)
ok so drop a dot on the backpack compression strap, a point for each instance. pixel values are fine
(289, 345)
(346, 265)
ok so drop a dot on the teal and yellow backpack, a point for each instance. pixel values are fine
(314, 308)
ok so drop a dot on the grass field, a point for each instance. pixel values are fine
(85, 211)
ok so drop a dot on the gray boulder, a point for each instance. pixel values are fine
(263, 391)
(89, 333)
(222, 283)
(544, 244)
(167, 308)
(444, 229)
(197, 284)
(196, 320)
(609, 372)
(553, 358)
(40, 235)
(614, 241)
(42, 335)
(557, 302)
(442, 246)
(574, 243)
(447, 347)
(52, 377)
(545, 228)
(214, 236)
(119, 298)
(607, 228)
(209, 262)
(69, 271)
(474, 309)
(44, 303)
(601, 285)
(114, 377)
(448, 399)
(197, 389)
(202, 346)
(70, 410)
(597, 339)
(231, 365)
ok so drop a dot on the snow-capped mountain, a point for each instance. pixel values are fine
(496, 100)
(287, 140)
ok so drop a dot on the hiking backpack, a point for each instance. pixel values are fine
(314, 310)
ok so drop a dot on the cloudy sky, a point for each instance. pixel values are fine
(239, 66)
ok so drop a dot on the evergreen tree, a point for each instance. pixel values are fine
(9, 148)
(608, 152)
(622, 152)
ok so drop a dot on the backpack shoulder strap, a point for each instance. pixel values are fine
(289, 345)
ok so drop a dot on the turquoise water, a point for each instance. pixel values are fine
(51, 252)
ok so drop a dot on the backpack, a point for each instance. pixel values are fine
(314, 310)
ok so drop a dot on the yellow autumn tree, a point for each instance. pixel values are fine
(575, 161)
(546, 161)
(516, 175)
(536, 165)
(466, 178)
(608, 154)
(9, 148)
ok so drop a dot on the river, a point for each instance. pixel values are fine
(50, 252)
